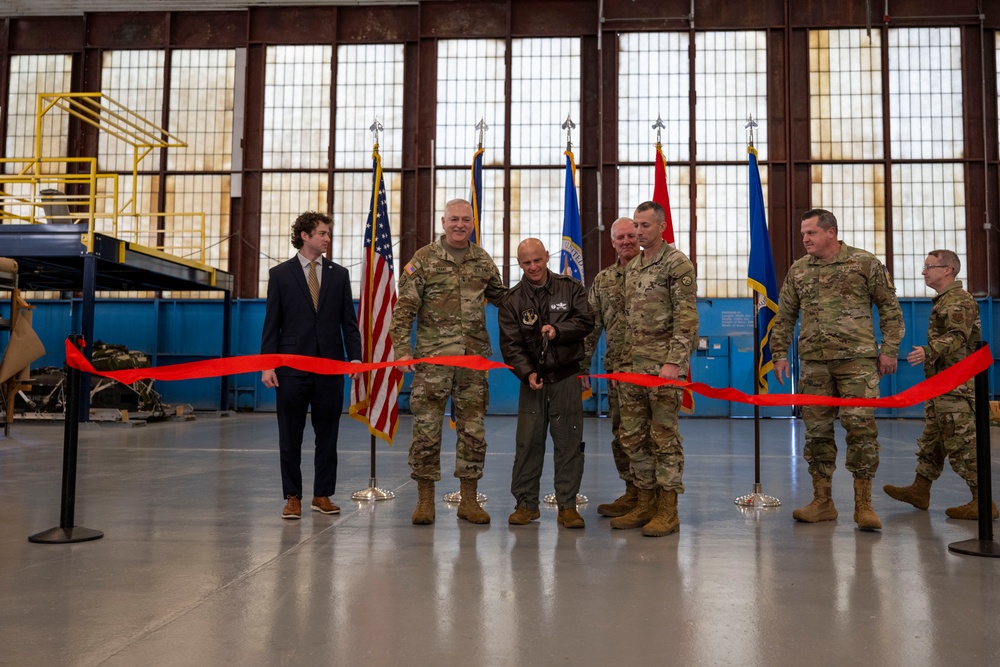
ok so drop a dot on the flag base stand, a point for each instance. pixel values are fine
(550, 499)
(758, 499)
(373, 493)
(987, 548)
(456, 497)
(66, 535)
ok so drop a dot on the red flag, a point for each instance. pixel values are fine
(374, 399)
(660, 194)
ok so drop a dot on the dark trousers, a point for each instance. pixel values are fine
(296, 394)
(559, 407)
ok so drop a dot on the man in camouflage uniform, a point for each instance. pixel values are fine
(834, 287)
(661, 314)
(949, 420)
(607, 300)
(443, 287)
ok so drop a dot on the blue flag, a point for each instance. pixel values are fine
(571, 262)
(760, 274)
(476, 196)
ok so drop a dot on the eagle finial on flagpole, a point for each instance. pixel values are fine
(569, 126)
(375, 128)
(481, 126)
(749, 127)
(658, 125)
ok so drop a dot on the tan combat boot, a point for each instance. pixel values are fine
(469, 508)
(821, 508)
(917, 494)
(666, 520)
(864, 515)
(640, 515)
(623, 504)
(424, 514)
(969, 510)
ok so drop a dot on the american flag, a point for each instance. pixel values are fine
(374, 398)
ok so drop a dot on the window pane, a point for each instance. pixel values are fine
(297, 107)
(653, 82)
(545, 88)
(133, 79)
(352, 194)
(30, 75)
(369, 86)
(470, 87)
(283, 198)
(723, 230)
(855, 193)
(536, 210)
(928, 211)
(201, 109)
(925, 93)
(731, 82)
(845, 95)
(635, 185)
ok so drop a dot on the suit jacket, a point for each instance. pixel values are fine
(291, 326)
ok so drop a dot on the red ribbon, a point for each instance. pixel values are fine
(261, 362)
(932, 387)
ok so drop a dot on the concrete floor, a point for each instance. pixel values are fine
(197, 568)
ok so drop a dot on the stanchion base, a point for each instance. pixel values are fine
(61, 535)
(373, 493)
(987, 548)
(456, 497)
(550, 499)
(758, 499)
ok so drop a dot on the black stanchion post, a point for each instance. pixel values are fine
(984, 545)
(67, 532)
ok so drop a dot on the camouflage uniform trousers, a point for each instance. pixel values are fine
(619, 454)
(949, 430)
(845, 378)
(429, 392)
(650, 436)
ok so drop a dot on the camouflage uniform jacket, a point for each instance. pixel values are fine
(952, 333)
(836, 299)
(661, 311)
(446, 299)
(607, 300)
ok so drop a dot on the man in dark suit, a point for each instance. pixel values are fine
(309, 312)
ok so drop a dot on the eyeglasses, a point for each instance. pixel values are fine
(935, 266)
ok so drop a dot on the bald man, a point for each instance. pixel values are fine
(543, 323)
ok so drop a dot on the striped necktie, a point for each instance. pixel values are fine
(314, 285)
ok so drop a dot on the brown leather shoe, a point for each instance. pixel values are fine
(570, 518)
(293, 508)
(522, 516)
(323, 505)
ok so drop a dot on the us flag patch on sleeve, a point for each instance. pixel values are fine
(409, 268)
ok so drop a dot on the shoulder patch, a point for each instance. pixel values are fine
(410, 268)
(686, 281)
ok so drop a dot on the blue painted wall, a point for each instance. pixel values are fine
(175, 331)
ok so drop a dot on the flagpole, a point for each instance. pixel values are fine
(373, 492)
(757, 499)
(477, 237)
(569, 126)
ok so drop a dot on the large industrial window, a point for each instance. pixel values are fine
(545, 90)
(369, 87)
(202, 85)
(654, 82)
(925, 104)
(296, 137)
(731, 84)
(470, 88)
(730, 80)
(845, 103)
